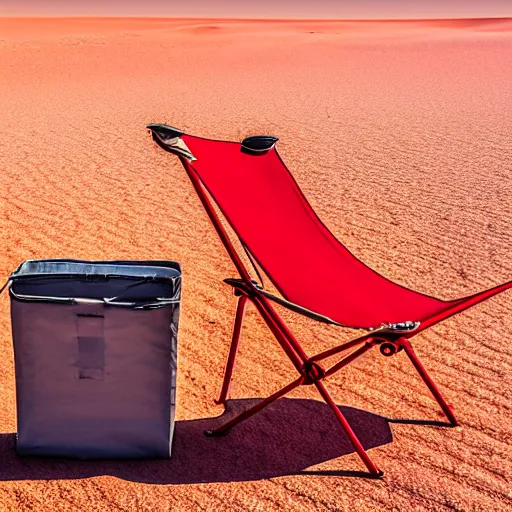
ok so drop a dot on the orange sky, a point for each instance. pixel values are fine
(366, 9)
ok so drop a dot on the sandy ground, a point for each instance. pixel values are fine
(398, 133)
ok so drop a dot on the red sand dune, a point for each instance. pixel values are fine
(398, 133)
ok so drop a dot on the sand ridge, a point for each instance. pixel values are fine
(399, 135)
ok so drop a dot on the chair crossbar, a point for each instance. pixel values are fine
(341, 348)
(351, 357)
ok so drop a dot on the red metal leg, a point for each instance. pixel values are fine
(237, 327)
(372, 468)
(276, 320)
(344, 347)
(279, 331)
(253, 410)
(406, 344)
(351, 357)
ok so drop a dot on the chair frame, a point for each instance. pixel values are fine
(311, 372)
(390, 339)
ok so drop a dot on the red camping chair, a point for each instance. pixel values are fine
(315, 274)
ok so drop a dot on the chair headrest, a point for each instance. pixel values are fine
(258, 144)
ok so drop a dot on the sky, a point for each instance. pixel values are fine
(344, 9)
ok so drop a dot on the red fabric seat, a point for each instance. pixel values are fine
(306, 263)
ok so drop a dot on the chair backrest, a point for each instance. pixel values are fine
(308, 265)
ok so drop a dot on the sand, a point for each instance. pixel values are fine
(399, 135)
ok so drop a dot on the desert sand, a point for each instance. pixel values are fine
(399, 135)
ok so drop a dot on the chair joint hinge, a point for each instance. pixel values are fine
(312, 372)
(401, 327)
(388, 347)
(240, 287)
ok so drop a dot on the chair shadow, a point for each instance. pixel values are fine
(286, 438)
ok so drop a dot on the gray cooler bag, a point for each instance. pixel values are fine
(95, 356)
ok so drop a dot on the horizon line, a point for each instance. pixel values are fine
(241, 18)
